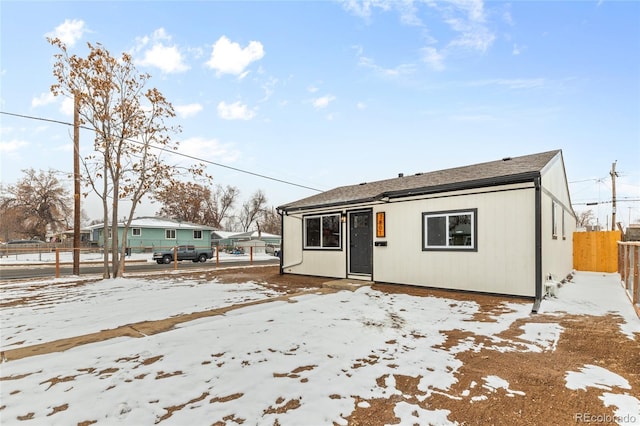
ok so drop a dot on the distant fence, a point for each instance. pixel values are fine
(596, 251)
(628, 260)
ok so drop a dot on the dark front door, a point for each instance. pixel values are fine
(360, 242)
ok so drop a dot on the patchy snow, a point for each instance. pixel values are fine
(628, 406)
(594, 293)
(48, 257)
(308, 360)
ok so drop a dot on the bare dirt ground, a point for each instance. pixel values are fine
(594, 340)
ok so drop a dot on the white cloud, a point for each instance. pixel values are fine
(235, 111)
(433, 58)
(190, 110)
(229, 58)
(467, 19)
(67, 106)
(209, 149)
(513, 83)
(323, 101)
(45, 98)
(157, 53)
(69, 32)
(12, 146)
(361, 105)
(399, 70)
(312, 89)
(516, 50)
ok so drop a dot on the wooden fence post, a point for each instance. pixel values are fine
(57, 262)
(636, 275)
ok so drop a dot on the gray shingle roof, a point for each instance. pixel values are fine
(508, 170)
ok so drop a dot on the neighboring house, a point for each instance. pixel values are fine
(633, 232)
(498, 227)
(258, 240)
(147, 234)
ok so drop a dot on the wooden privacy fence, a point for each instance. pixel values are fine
(596, 251)
(628, 260)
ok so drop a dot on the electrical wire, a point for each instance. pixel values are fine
(49, 120)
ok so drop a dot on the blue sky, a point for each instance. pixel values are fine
(329, 93)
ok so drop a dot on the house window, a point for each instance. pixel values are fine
(554, 220)
(564, 232)
(197, 235)
(322, 232)
(170, 234)
(450, 230)
(136, 232)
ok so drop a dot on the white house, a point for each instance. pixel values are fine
(498, 227)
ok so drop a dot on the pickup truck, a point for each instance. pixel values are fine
(186, 252)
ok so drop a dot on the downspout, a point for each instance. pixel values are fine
(281, 240)
(538, 238)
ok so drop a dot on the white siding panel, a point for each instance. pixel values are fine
(557, 253)
(323, 263)
(503, 263)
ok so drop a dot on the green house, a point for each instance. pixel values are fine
(147, 234)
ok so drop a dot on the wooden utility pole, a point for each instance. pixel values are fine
(613, 195)
(76, 185)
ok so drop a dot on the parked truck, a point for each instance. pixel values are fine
(186, 252)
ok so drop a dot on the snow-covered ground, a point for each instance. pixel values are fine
(66, 257)
(296, 363)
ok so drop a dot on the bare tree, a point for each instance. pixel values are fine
(271, 222)
(585, 218)
(131, 132)
(223, 201)
(252, 210)
(38, 203)
(196, 203)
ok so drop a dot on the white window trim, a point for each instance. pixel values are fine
(194, 234)
(175, 234)
(133, 233)
(447, 214)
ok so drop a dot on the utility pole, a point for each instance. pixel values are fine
(613, 195)
(76, 185)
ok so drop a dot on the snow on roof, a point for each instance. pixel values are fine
(158, 222)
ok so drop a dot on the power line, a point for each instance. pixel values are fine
(49, 120)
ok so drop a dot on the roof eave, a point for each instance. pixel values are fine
(468, 184)
(449, 187)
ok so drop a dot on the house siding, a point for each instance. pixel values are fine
(153, 237)
(324, 263)
(558, 251)
(493, 267)
(512, 202)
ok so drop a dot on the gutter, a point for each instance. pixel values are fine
(538, 248)
(425, 190)
(281, 256)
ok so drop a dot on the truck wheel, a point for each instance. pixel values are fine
(202, 258)
(166, 259)
(159, 261)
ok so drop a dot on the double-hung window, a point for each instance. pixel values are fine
(450, 230)
(322, 231)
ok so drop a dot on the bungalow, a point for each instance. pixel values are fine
(147, 234)
(260, 241)
(501, 227)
